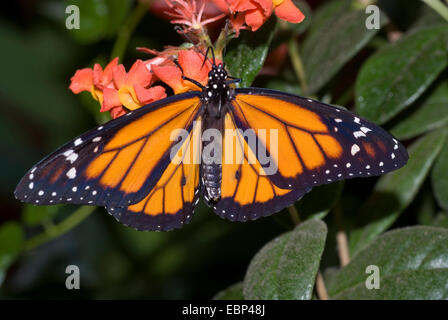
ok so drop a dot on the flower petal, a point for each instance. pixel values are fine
(255, 19)
(171, 75)
(139, 74)
(110, 99)
(192, 64)
(289, 12)
(117, 112)
(152, 94)
(241, 5)
(119, 75)
(266, 5)
(82, 81)
(128, 98)
(102, 79)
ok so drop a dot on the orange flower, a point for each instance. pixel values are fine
(252, 14)
(94, 80)
(116, 90)
(192, 64)
(132, 90)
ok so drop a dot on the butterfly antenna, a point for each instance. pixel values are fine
(186, 78)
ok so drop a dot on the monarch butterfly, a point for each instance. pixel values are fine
(127, 164)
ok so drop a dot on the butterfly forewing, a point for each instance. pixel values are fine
(116, 164)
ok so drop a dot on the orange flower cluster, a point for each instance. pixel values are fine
(119, 91)
(251, 14)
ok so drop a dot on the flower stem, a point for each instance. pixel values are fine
(297, 63)
(53, 231)
(439, 7)
(320, 287)
(341, 238)
(128, 28)
(294, 214)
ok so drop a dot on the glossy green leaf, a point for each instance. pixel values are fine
(412, 264)
(35, 215)
(338, 34)
(286, 267)
(233, 292)
(317, 203)
(246, 55)
(396, 76)
(395, 191)
(432, 114)
(11, 242)
(439, 177)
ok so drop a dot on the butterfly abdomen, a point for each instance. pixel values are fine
(211, 179)
(211, 164)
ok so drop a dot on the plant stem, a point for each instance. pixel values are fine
(341, 238)
(54, 231)
(128, 28)
(439, 7)
(320, 287)
(297, 63)
(294, 214)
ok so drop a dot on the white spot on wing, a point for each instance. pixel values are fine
(31, 185)
(71, 174)
(365, 130)
(72, 158)
(355, 149)
(359, 134)
(77, 142)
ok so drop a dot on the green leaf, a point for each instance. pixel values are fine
(286, 267)
(439, 177)
(429, 116)
(233, 292)
(285, 86)
(440, 220)
(395, 191)
(36, 215)
(11, 242)
(337, 35)
(396, 76)
(246, 55)
(412, 262)
(317, 203)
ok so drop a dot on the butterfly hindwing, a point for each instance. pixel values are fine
(115, 164)
(317, 143)
(247, 192)
(171, 202)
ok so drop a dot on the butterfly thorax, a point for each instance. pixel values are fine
(217, 92)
